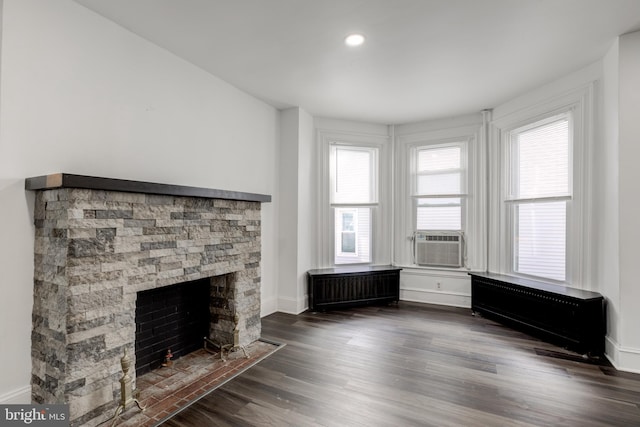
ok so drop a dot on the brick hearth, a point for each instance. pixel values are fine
(165, 391)
(95, 249)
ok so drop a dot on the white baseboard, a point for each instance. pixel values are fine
(19, 396)
(268, 306)
(292, 305)
(427, 296)
(622, 358)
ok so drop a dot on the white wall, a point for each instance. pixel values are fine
(616, 206)
(82, 95)
(307, 207)
(607, 267)
(629, 211)
(297, 216)
(288, 215)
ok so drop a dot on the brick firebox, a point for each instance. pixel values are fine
(100, 241)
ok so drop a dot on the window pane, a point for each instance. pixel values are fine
(354, 179)
(352, 235)
(446, 183)
(437, 159)
(542, 157)
(439, 214)
(348, 221)
(541, 239)
(348, 242)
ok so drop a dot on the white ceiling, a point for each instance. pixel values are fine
(422, 58)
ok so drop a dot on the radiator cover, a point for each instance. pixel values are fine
(570, 317)
(341, 287)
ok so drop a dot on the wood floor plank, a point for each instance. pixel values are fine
(415, 365)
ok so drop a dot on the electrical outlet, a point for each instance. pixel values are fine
(439, 286)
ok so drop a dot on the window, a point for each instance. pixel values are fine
(541, 217)
(439, 184)
(539, 168)
(354, 203)
(441, 176)
(353, 196)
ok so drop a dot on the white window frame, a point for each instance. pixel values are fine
(359, 256)
(381, 229)
(516, 200)
(578, 104)
(472, 134)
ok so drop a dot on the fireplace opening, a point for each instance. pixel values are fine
(172, 318)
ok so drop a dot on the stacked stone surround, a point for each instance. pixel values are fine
(95, 249)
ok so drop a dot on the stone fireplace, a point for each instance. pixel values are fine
(98, 243)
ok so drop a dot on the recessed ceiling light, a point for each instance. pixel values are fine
(354, 39)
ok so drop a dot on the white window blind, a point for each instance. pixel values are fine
(540, 191)
(541, 239)
(439, 170)
(439, 175)
(439, 214)
(542, 161)
(354, 195)
(354, 177)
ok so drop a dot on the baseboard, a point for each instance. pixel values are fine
(622, 358)
(426, 296)
(268, 306)
(19, 396)
(292, 305)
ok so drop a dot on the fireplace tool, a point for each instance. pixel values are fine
(229, 348)
(126, 391)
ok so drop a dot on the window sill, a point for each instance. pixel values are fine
(412, 268)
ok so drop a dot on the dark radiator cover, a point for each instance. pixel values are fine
(343, 287)
(570, 317)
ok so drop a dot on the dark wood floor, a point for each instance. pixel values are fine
(415, 365)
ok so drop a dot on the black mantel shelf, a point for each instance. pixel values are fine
(65, 180)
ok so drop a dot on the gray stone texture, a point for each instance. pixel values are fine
(94, 250)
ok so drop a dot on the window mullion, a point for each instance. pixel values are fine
(440, 196)
(539, 199)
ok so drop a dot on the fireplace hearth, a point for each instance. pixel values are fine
(101, 242)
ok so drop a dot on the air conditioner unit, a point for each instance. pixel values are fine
(438, 248)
